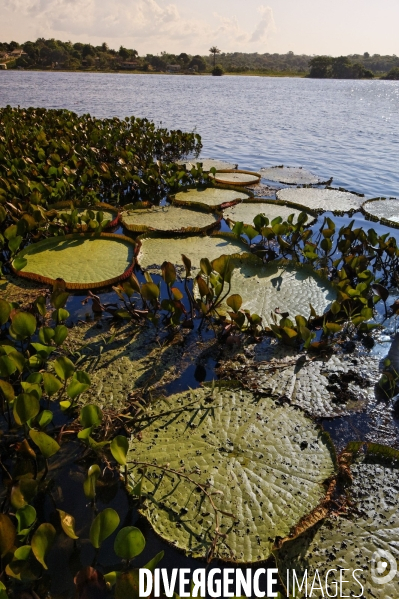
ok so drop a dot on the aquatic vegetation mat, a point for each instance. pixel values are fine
(265, 288)
(246, 211)
(82, 261)
(386, 210)
(351, 542)
(155, 250)
(262, 465)
(322, 200)
(236, 177)
(169, 218)
(323, 387)
(290, 175)
(207, 164)
(214, 197)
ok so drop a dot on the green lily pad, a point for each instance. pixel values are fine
(213, 197)
(154, 250)
(325, 388)
(207, 164)
(264, 465)
(321, 200)
(290, 175)
(82, 261)
(351, 542)
(168, 219)
(386, 210)
(246, 211)
(236, 177)
(264, 288)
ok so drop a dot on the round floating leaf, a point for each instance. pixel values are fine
(154, 250)
(104, 524)
(119, 448)
(236, 177)
(90, 415)
(68, 524)
(263, 288)
(42, 541)
(351, 542)
(129, 542)
(321, 200)
(213, 197)
(207, 164)
(290, 175)
(47, 445)
(8, 534)
(84, 262)
(386, 210)
(23, 324)
(26, 406)
(169, 219)
(263, 464)
(246, 211)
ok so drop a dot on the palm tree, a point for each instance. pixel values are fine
(214, 50)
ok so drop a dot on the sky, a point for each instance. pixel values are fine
(333, 27)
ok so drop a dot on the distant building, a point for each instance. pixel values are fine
(173, 68)
(3, 67)
(17, 53)
(130, 65)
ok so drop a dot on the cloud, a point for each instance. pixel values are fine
(147, 25)
(265, 26)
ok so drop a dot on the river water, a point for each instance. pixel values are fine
(340, 128)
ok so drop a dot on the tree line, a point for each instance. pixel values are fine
(51, 53)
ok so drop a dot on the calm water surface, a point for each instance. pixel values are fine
(345, 129)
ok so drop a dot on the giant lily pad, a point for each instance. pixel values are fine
(351, 542)
(327, 387)
(246, 211)
(236, 177)
(109, 212)
(154, 250)
(264, 465)
(290, 175)
(385, 210)
(207, 164)
(213, 197)
(321, 200)
(84, 262)
(169, 219)
(264, 288)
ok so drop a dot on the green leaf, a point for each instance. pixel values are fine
(90, 416)
(150, 291)
(26, 406)
(168, 273)
(44, 418)
(60, 334)
(42, 541)
(23, 324)
(89, 485)
(46, 334)
(68, 524)
(152, 564)
(104, 524)
(5, 311)
(19, 263)
(8, 534)
(47, 445)
(129, 543)
(51, 384)
(234, 302)
(64, 368)
(79, 383)
(119, 448)
(7, 391)
(26, 516)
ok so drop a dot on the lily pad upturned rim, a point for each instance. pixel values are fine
(178, 202)
(285, 182)
(205, 159)
(173, 232)
(255, 200)
(318, 211)
(97, 284)
(72, 205)
(380, 219)
(256, 177)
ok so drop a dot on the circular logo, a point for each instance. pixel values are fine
(383, 566)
